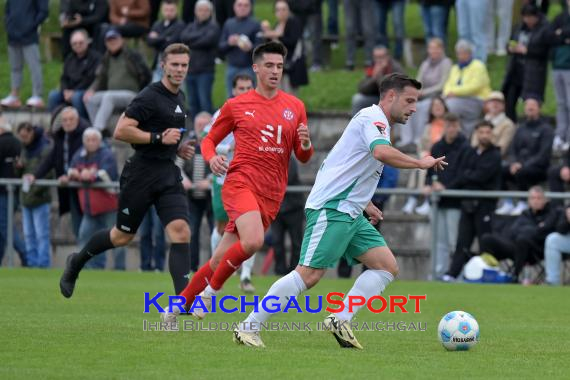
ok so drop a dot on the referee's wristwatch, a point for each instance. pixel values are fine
(155, 138)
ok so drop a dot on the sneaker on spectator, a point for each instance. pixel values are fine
(501, 52)
(521, 206)
(11, 101)
(410, 205)
(316, 68)
(334, 46)
(424, 209)
(506, 208)
(35, 101)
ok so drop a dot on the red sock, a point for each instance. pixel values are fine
(198, 283)
(231, 261)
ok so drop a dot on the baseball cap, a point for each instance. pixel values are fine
(496, 95)
(112, 33)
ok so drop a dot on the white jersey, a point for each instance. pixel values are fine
(225, 147)
(349, 175)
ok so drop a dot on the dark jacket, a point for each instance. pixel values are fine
(532, 144)
(305, 7)
(560, 42)
(563, 226)
(202, 38)
(136, 65)
(453, 155)
(79, 73)
(534, 225)
(371, 85)
(293, 201)
(93, 12)
(32, 156)
(56, 161)
(530, 70)
(22, 19)
(9, 153)
(292, 33)
(479, 171)
(233, 54)
(168, 33)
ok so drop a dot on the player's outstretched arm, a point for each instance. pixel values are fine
(397, 159)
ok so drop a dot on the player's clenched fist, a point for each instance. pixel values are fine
(171, 136)
(187, 149)
(303, 133)
(219, 165)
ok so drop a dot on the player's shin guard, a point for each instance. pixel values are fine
(289, 286)
(198, 282)
(231, 261)
(179, 265)
(369, 284)
(99, 243)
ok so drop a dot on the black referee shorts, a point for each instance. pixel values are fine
(146, 182)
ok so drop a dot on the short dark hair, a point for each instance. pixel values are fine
(451, 117)
(25, 125)
(397, 82)
(175, 49)
(241, 76)
(484, 123)
(271, 47)
(530, 10)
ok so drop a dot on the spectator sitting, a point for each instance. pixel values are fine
(559, 36)
(131, 18)
(523, 241)
(121, 74)
(433, 73)
(66, 141)
(432, 134)
(558, 177)
(35, 200)
(557, 243)
(78, 73)
(530, 156)
(479, 169)
(239, 37)
(9, 154)
(453, 146)
(163, 33)
(22, 23)
(526, 72)
(80, 14)
(503, 128)
(196, 181)
(466, 87)
(289, 32)
(360, 14)
(202, 38)
(95, 162)
(368, 89)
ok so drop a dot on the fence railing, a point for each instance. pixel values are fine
(14, 184)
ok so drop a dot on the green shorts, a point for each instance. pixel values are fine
(220, 214)
(331, 234)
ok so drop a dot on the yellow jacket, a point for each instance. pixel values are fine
(472, 80)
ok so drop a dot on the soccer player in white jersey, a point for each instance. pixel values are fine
(336, 226)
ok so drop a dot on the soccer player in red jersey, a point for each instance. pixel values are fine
(268, 125)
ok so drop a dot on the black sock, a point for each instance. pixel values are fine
(99, 243)
(179, 265)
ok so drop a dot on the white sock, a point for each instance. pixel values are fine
(215, 239)
(209, 291)
(287, 286)
(370, 283)
(246, 268)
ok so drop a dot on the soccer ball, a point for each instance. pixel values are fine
(458, 331)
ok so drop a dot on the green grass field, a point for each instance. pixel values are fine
(99, 334)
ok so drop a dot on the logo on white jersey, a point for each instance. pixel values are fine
(288, 114)
(178, 109)
(252, 113)
(268, 132)
(381, 127)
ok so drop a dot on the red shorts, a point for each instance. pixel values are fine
(239, 199)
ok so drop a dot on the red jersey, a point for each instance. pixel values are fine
(265, 132)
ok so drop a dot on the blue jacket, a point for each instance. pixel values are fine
(102, 159)
(22, 19)
(234, 55)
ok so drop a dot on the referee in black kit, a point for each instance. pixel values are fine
(153, 124)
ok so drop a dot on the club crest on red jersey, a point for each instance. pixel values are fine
(288, 114)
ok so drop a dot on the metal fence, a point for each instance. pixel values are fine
(12, 185)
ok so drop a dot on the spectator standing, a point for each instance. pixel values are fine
(359, 14)
(80, 14)
(558, 177)
(560, 38)
(202, 38)
(239, 37)
(332, 19)
(163, 33)
(22, 21)
(121, 74)
(397, 7)
(498, 35)
(78, 73)
(471, 21)
(557, 244)
(35, 200)
(435, 17)
(310, 14)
